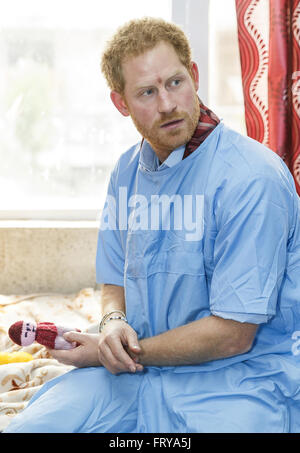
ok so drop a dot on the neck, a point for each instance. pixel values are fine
(162, 155)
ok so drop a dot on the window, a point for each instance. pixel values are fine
(225, 90)
(60, 135)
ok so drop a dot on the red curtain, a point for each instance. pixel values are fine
(269, 43)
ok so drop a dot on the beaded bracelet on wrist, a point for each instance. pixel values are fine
(106, 318)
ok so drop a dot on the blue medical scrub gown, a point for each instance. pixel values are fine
(225, 241)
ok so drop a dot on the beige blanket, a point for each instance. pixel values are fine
(20, 381)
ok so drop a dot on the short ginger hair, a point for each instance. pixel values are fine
(136, 37)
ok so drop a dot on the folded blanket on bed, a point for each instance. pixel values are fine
(19, 381)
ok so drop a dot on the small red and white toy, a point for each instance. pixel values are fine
(24, 333)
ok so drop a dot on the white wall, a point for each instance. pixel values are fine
(47, 257)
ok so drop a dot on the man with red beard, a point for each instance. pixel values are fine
(197, 327)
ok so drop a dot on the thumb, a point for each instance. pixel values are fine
(74, 336)
(133, 343)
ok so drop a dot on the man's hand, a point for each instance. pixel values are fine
(84, 355)
(118, 348)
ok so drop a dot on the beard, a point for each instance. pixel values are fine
(166, 141)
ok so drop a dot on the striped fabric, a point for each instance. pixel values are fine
(207, 122)
(269, 43)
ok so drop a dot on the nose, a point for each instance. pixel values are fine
(166, 103)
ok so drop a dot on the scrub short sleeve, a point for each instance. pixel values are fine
(110, 253)
(250, 249)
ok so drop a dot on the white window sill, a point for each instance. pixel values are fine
(50, 218)
(57, 224)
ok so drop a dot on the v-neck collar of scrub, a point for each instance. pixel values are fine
(148, 160)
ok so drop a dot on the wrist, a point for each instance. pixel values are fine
(111, 316)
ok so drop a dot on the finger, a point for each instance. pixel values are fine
(132, 343)
(119, 352)
(76, 337)
(111, 360)
(139, 367)
(61, 355)
(108, 360)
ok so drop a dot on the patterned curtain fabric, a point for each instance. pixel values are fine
(269, 43)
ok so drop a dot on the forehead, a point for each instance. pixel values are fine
(153, 66)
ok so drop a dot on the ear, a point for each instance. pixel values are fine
(119, 103)
(195, 74)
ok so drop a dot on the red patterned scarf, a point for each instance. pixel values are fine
(207, 122)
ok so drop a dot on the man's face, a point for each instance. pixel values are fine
(161, 98)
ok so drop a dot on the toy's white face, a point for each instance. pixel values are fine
(28, 333)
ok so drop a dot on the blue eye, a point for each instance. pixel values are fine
(147, 92)
(175, 82)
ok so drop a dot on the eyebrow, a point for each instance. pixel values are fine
(146, 87)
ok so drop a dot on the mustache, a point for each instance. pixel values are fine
(169, 118)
